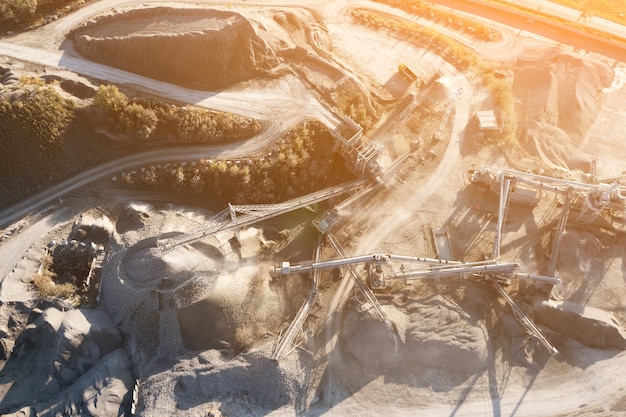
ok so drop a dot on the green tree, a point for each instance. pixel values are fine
(139, 122)
(111, 100)
(32, 128)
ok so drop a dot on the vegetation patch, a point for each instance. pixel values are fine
(299, 163)
(66, 272)
(46, 287)
(464, 25)
(49, 285)
(354, 103)
(151, 121)
(18, 15)
(33, 128)
(45, 136)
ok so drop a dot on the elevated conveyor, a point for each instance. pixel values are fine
(523, 319)
(369, 295)
(286, 340)
(251, 214)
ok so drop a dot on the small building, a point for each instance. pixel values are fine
(487, 121)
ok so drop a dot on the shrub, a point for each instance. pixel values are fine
(32, 128)
(45, 286)
(111, 99)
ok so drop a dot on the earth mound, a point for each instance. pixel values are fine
(560, 93)
(197, 48)
(436, 334)
(588, 325)
(68, 363)
(213, 383)
(441, 333)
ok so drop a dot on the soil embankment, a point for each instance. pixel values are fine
(67, 363)
(560, 93)
(197, 48)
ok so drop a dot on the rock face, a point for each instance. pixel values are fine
(197, 48)
(68, 363)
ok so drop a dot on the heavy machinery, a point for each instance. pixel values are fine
(434, 268)
(589, 199)
(228, 219)
(520, 194)
(408, 74)
(492, 271)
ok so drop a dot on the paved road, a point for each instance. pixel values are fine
(564, 12)
(567, 35)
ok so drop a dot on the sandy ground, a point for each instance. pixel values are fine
(196, 327)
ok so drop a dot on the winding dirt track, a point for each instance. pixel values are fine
(391, 217)
(288, 97)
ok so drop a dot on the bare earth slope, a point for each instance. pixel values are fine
(68, 363)
(559, 94)
(198, 48)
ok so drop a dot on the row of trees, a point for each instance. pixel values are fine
(43, 134)
(455, 22)
(152, 121)
(300, 162)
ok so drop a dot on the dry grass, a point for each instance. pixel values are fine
(45, 286)
(469, 27)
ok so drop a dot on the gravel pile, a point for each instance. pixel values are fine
(249, 384)
(433, 334)
(68, 363)
(191, 311)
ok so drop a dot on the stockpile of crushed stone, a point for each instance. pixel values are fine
(214, 381)
(197, 48)
(201, 315)
(68, 363)
(560, 96)
(430, 334)
(590, 326)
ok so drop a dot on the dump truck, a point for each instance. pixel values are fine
(408, 74)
